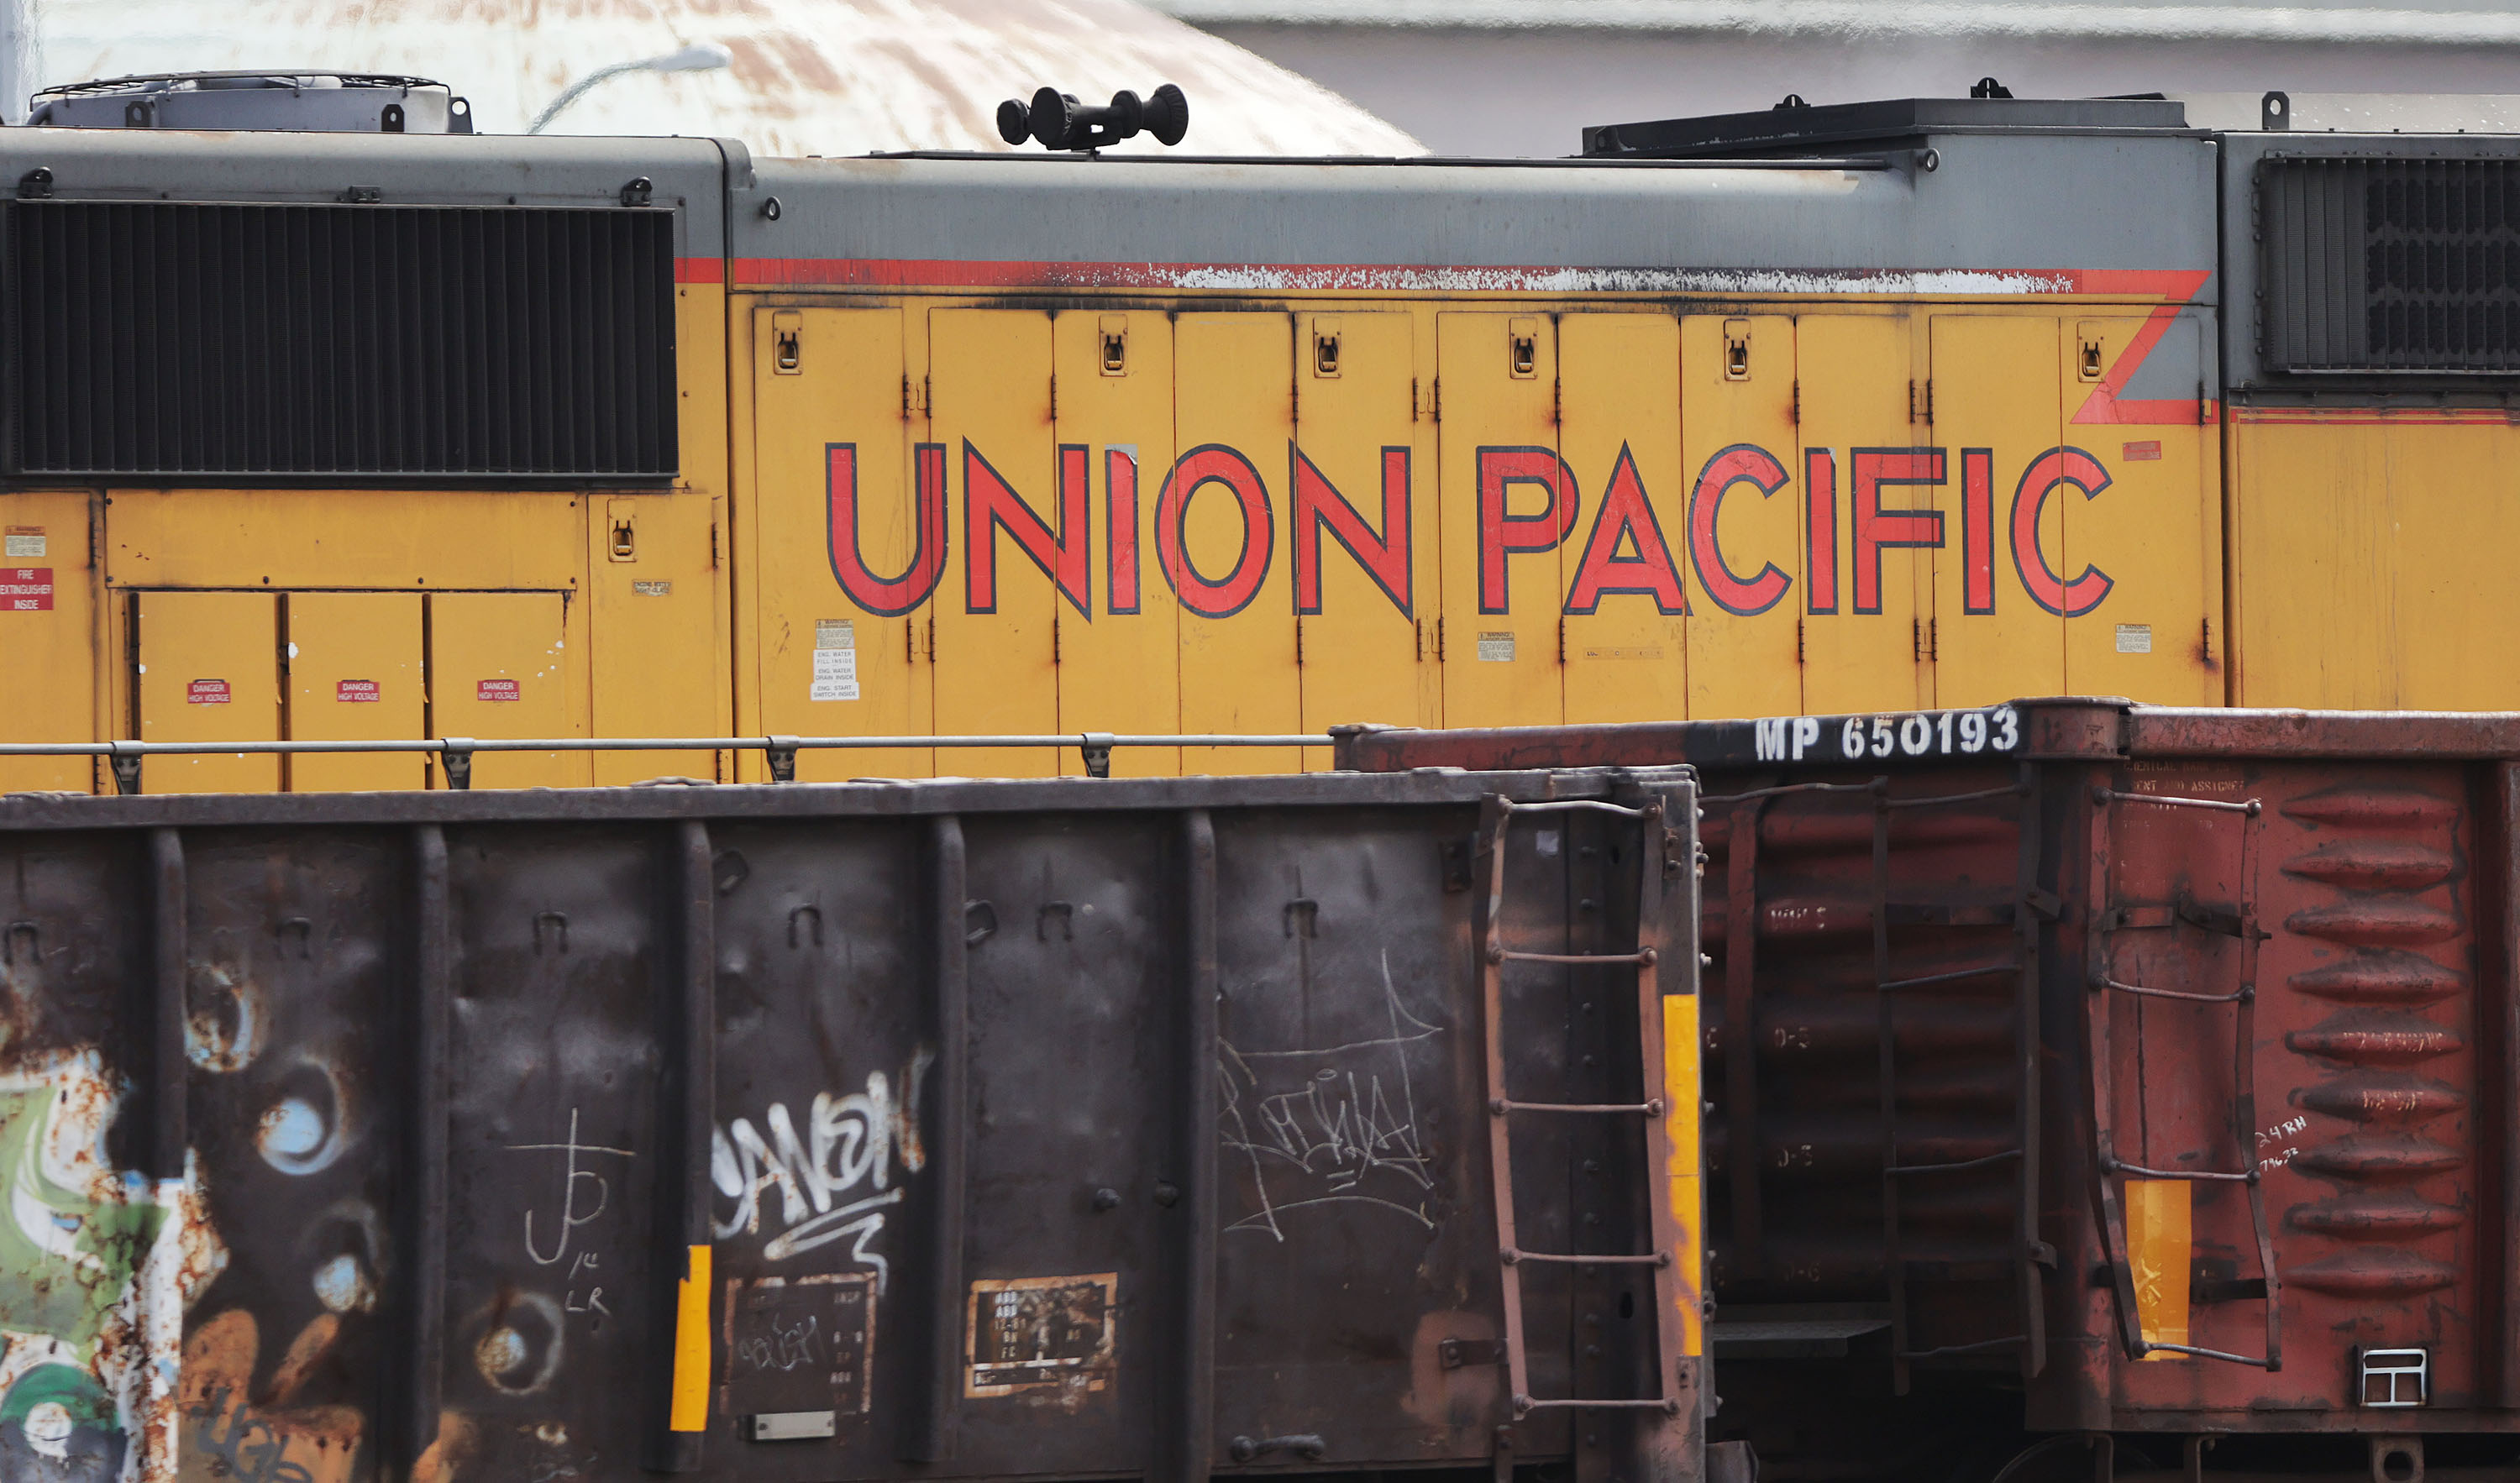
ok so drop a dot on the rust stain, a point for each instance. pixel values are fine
(2383, 976)
(2375, 865)
(2378, 1273)
(2377, 1036)
(226, 1433)
(2384, 1156)
(311, 1344)
(2374, 1215)
(444, 1461)
(2375, 920)
(2373, 808)
(1464, 1398)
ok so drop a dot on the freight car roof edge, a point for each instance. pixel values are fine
(912, 798)
(2060, 728)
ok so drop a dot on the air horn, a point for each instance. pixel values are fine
(1060, 122)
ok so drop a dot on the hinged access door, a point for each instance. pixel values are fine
(209, 671)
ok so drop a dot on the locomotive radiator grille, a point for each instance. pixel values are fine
(2403, 267)
(184, 342)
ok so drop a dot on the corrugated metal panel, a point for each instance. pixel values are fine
(2270, 949)
(2403, 267)
(977, 1130)
(168, 341)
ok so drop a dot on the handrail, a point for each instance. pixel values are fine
(456, 752)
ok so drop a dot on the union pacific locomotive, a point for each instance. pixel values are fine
(1855, 408)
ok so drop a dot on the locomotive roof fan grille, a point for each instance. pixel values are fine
(2404, 267)
(179, 342)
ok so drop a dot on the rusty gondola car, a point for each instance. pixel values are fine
(2138, 1076)
(956, 1129)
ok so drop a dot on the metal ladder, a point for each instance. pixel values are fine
(1496, 816)
(2108, 1169)
(2029, 908)
(2022, 962)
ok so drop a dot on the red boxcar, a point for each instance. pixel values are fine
(2140, 1077)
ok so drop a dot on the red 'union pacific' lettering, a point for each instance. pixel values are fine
(1526, 502)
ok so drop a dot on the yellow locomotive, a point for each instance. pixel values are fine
(1864, 408)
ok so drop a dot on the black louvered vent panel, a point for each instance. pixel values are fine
(175, 342)
(2409, 266)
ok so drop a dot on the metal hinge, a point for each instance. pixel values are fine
(1561, 641)
(713, 553)
(1439, 641)
(1916, 638)
(1053, 638)
(1798, 641)
(1435, 399)
(1921, 401)
(1933, 638)
(1794, 413)
(1299, 643)
(1054, 398)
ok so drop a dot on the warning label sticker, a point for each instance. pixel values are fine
(22, 543)
(206, 693)
(1038, 1332)
(1496, 647)
(499, 690)
(356, 692)
(26, 589)
(2134, 638)
(836, 661)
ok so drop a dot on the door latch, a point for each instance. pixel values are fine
(1736, 350)
(1523, 342)
(1112, 336)
(787, 342)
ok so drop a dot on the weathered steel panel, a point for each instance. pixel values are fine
(2262, 959)
(1057, 1130)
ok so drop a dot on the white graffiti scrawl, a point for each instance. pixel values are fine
(836, 1181)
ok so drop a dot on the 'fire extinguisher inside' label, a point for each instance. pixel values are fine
(206, 693)
(26, 589)
(357, 692)
(499, 690)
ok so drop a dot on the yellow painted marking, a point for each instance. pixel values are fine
(2160, 1242)
(692, 1347)
(1680, 1088)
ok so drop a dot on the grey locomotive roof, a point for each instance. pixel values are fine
(2022, 204)
(2006, 210)
(1995, 204)
(423, 169)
